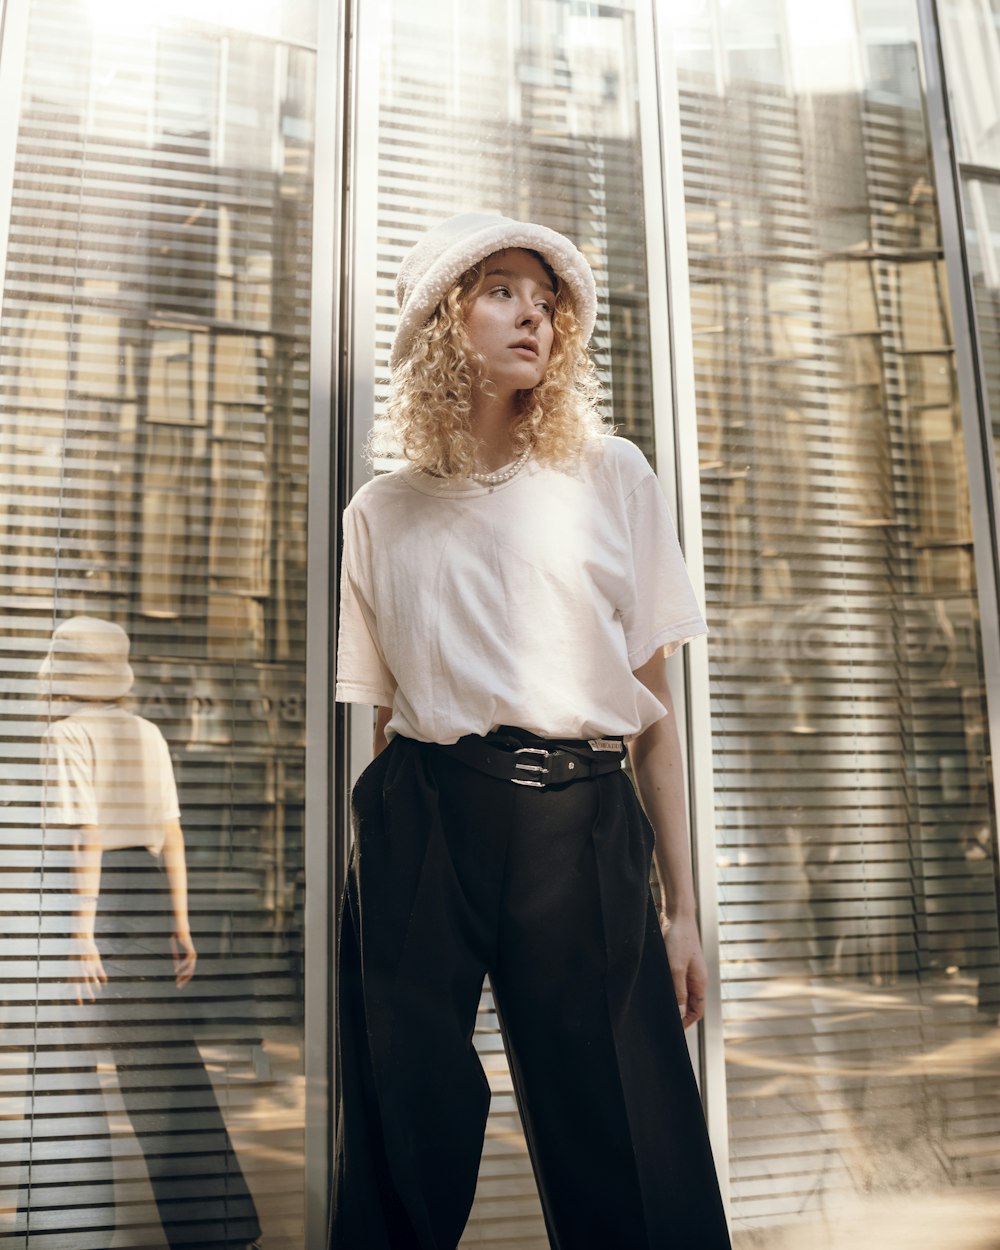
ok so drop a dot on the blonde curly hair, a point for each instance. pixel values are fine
(431, 397)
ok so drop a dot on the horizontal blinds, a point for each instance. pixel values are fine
(527, 110)
(154, 389)
(856, 852)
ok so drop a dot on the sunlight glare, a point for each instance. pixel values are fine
(126, 17)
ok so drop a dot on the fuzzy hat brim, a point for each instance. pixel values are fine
(443, 254)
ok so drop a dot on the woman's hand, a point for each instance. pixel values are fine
(659, 773)
(383, 715)
(175, 864)
(91, 975)
(185, 957)
(687, 966)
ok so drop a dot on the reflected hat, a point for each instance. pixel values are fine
(439, 258)
(88, 659)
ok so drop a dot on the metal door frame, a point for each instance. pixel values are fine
(980, 453)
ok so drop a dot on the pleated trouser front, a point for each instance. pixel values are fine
(455, 875)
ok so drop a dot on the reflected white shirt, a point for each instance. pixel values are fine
(105, 767)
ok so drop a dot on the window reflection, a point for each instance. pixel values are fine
(154, 386)
(856, 846)
(970, 34)
(530, 111)
(109, 804)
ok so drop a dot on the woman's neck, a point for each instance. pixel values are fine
(493, 418)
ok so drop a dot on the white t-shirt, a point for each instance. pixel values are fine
(464, 608)
(105, 767)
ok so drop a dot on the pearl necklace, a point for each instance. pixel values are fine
(502, 475)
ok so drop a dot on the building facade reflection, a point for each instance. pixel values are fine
(851, 756)
(155, 414)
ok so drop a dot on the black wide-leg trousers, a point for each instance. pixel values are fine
(455, 875)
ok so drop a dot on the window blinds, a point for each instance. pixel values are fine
(855, 831)
(154, 390)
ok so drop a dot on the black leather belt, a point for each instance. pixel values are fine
(520, 757)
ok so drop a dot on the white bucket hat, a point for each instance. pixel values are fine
(438, 259)
(87, 659)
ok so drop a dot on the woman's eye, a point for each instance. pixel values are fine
(501, 290)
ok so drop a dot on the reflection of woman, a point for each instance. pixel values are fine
(109, 783)
(507, 598)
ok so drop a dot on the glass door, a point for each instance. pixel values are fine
(535, 110)
(856, 846)
(154, 385)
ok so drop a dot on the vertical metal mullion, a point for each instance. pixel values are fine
(662, 366)
(358, 346)
(676, 432)
(324, 390)
(984, 489)
(13, 50)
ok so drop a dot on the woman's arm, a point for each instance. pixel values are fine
(185, 955)
(87, 855)
(382, 717)
(656, 765)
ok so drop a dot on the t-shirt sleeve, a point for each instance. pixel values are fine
(362, 673)
(664, 610)
(68, 796)
(168, 784)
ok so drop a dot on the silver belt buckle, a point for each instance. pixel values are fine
(531, 768)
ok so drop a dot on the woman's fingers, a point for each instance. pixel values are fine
(695, 1009)
(687, 968)
(690, 999)
(185, 958)
(91, 974)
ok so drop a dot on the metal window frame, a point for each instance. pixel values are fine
(326, 388)
(980, 453)
(676, 438)
(358, 351)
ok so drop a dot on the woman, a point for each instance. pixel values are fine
(507, 600)
(109, 795)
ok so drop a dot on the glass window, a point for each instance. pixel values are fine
(970, 34)
(528, 110)
(154, 392)
(981, 197)
(856, 844)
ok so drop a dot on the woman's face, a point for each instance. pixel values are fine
(509, 320)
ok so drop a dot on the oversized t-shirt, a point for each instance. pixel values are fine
(530, 604)
(105, 767)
